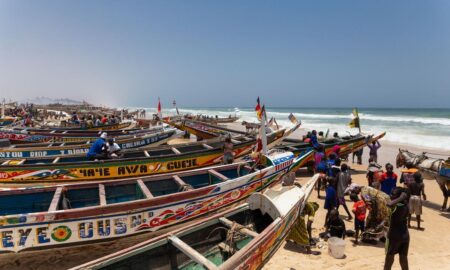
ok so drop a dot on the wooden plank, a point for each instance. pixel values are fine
(53, 131)
(179, 181)
(225, 221)
(146, 153)
(55, 200)
(101, 194)
(218, 175)
(50, 145)
(64, 132)
(6, 162)
(88, 142)
(207, 146)
(144, 189)
(56, 160)
(176, 151)
(235, 141)
(62, 144)
(192, 253)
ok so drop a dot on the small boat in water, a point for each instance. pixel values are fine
(43, 217)
(244, 237)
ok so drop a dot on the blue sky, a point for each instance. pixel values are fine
(226, 53)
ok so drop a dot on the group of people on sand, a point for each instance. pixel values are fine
(104, 148)
(381, 210)
(92, 121)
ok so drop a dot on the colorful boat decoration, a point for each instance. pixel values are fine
(110, 127)
(62, 149)
(43, 217)
(258, 228)
(163, 159)
(7, 121)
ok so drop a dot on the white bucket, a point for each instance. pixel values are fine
(336, 247)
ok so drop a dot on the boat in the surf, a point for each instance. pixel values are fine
(244, 237)
(162, 159)
(44, 217)
(30, 151)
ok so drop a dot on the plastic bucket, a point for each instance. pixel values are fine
(336, 247)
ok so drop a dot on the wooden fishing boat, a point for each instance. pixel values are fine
(54, 150)
(244, 237)
(42, 217)
(7, 121)
(347, 145)
(116, 126)
(27, 137)
(163, 159)
(212, 119)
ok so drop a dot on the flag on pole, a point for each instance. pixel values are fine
(261, 142)
(354, 123)
(258, 109)
(159, 109)
(293, 119)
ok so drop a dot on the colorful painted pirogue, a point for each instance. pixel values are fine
(163, 159)
(204, 130)
(244, 237)
(65, 149)
(95, 128)
(347, 145)
(42, 217)
(7, 121)
(26, 136)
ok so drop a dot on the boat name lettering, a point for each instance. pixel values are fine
(95, 172)
(131, 169)
(10, 154)
(182, 164)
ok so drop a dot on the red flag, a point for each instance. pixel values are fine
(258, 109)
(159, 108)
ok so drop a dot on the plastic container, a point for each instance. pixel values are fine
(336, 247)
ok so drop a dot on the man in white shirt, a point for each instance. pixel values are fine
(113, 148)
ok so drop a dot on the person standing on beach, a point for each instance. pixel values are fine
(343, 180)
(330, 198)
(416, 190)
(388, 179)
(398, 235)
(301, 232)
(359, 209)
(374, 150)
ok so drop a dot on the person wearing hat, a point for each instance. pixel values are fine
(97, 150)
(416, 190)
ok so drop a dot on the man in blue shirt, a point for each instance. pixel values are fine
(97, 150)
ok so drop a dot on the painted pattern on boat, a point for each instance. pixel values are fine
(113, 169)
(46, 229)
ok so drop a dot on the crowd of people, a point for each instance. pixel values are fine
(92, 121)
(382, 210)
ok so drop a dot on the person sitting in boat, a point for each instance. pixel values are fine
(89, 122)
(104, 120)
(98, 121)
(320, 138)
(314, 141)
(75, 119)
(113, 148)
(97, 150)
(301, 231)
(113, 120)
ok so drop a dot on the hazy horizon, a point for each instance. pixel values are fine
(342, 54)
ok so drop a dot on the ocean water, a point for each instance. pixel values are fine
(417, 127)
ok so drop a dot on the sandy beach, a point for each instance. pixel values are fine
(428, 249)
